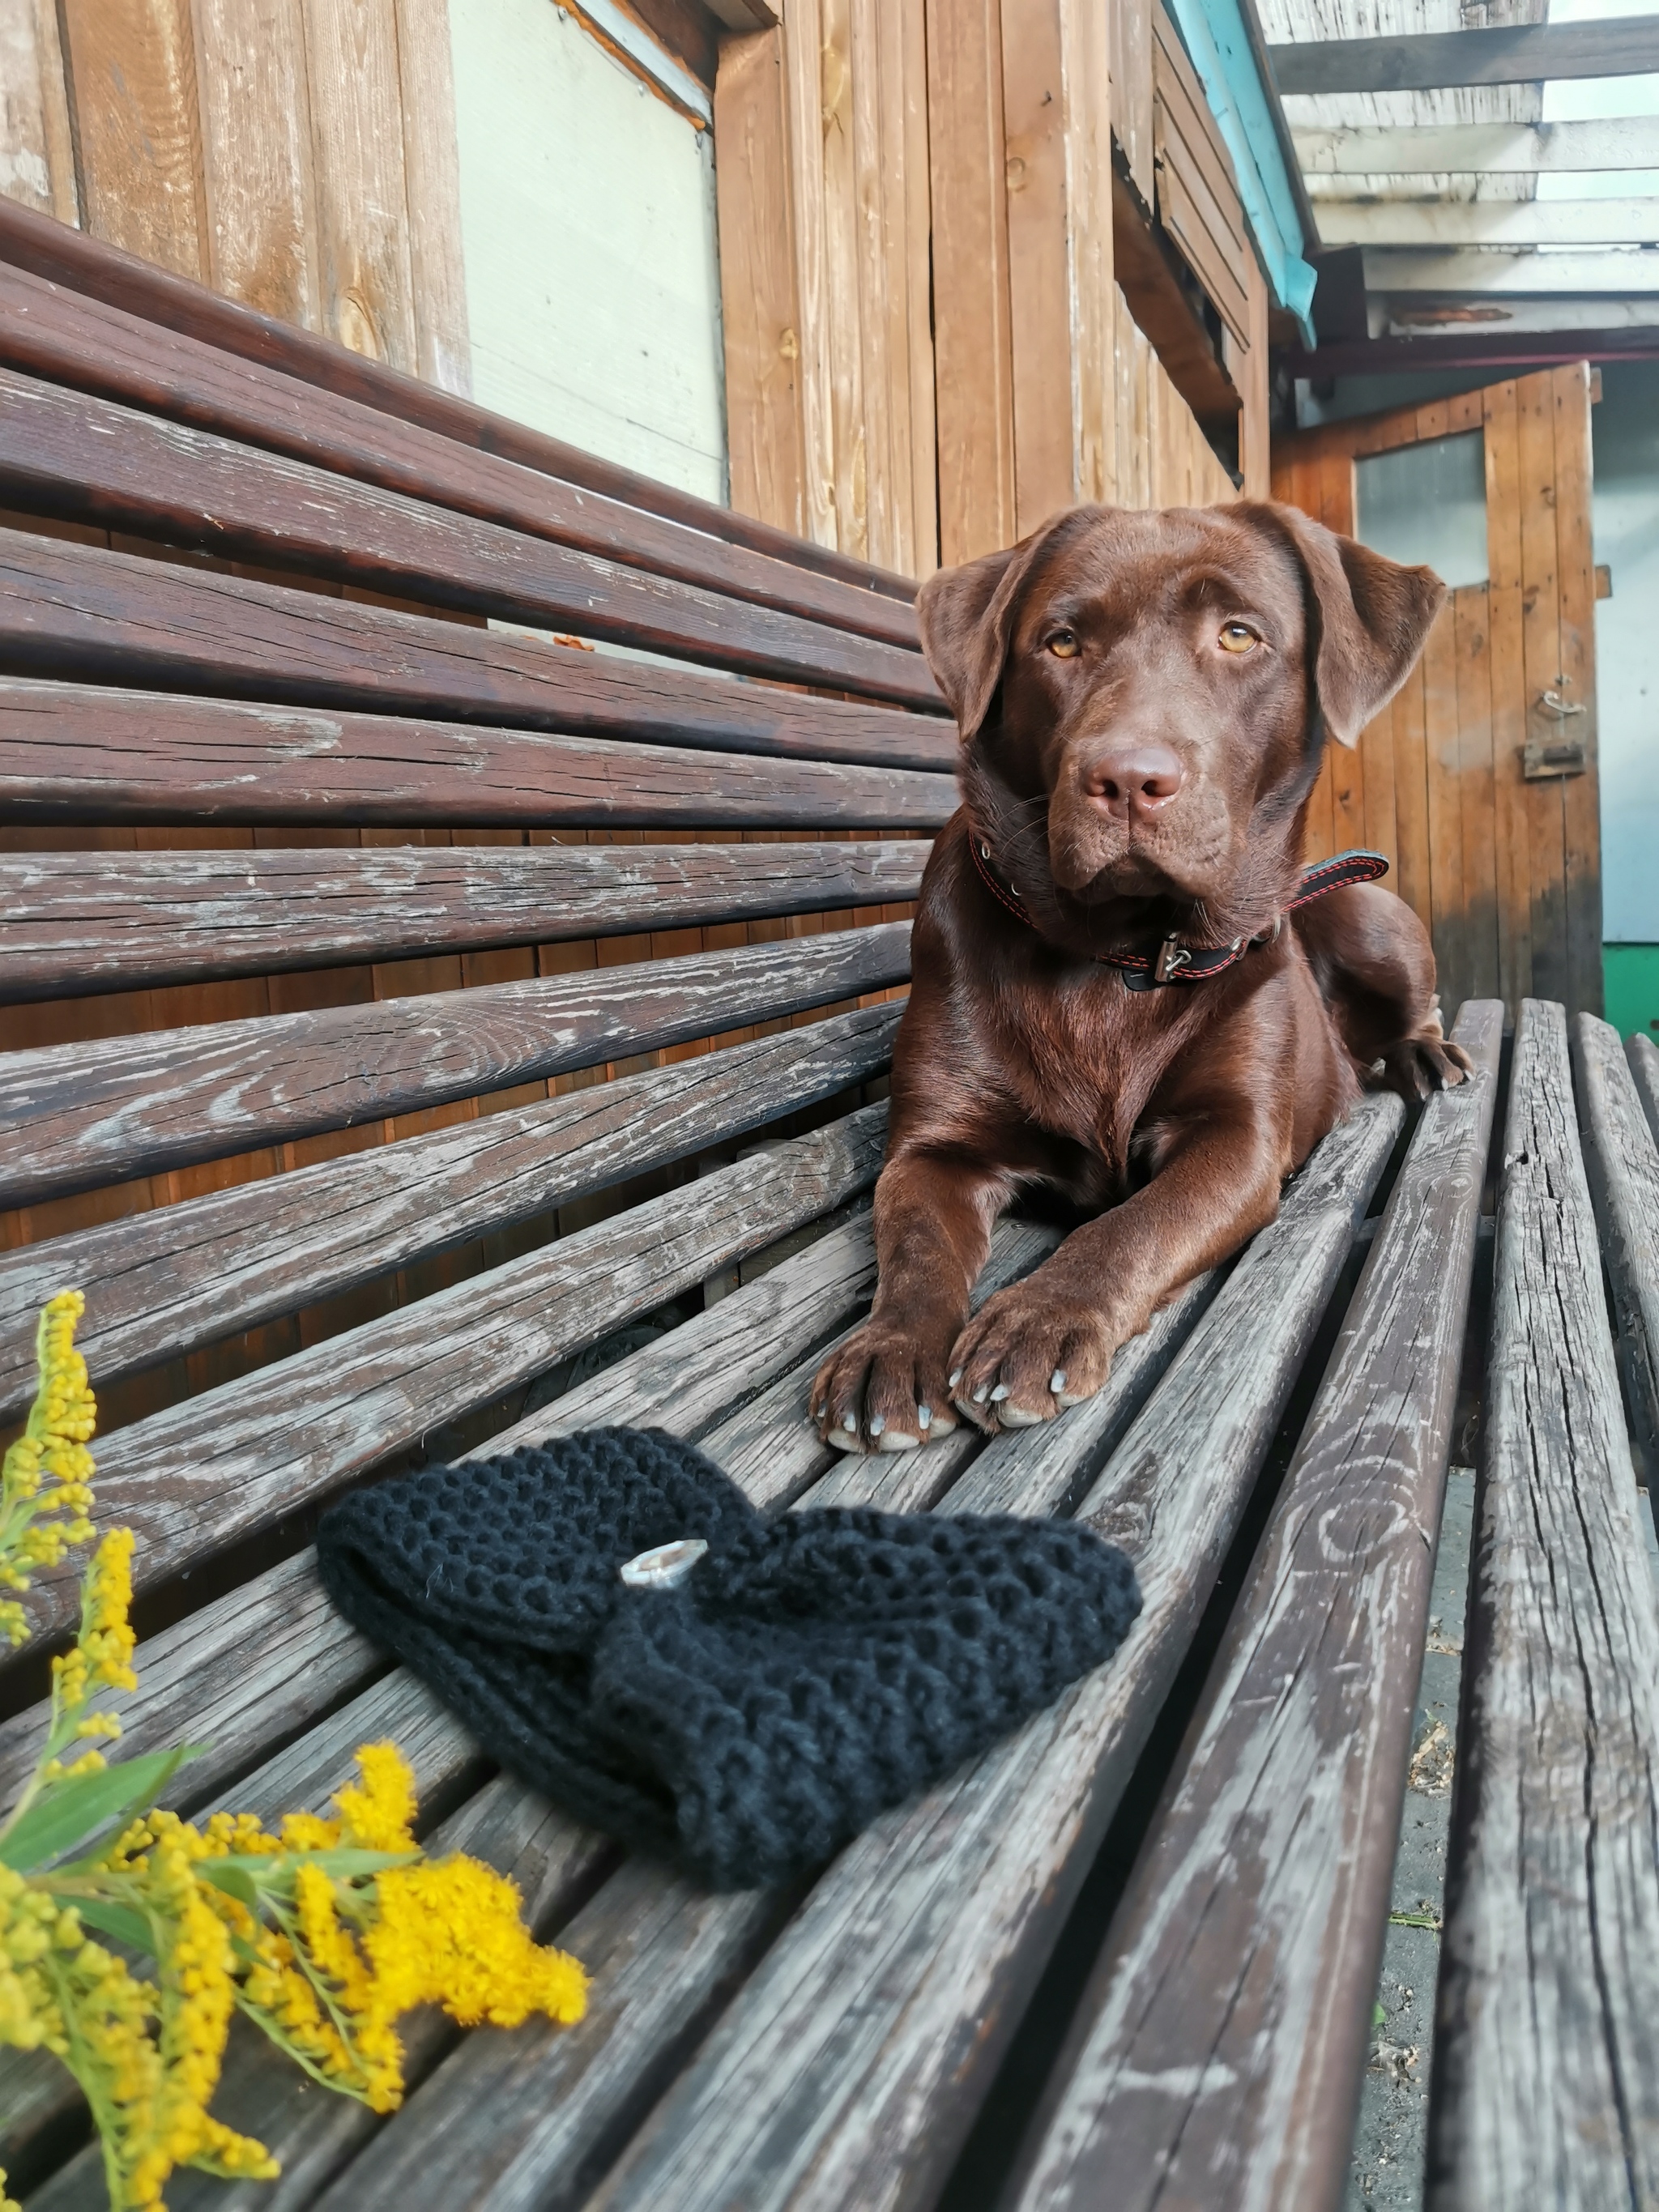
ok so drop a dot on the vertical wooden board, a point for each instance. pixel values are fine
(1251, 375)
(905, 35)
(37, 154)
(1449, 927)
(362, 201)
(759, 311)
(425, 80)
(256, 155)
(1580, 794)
(1131, 90)
(879, 142)
(804, 88)
(845, 181)
(1039, 287)
(132, 65)
(1084, 48)
(1541, 641)
(1319, 492)
(1376, 744)
(1476, 790)
(1509, 692)
(973, 364)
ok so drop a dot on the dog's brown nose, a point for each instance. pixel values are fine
(1133, 781)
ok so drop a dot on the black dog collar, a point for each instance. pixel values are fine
(1173, 962)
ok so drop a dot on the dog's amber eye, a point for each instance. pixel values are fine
(1238, 637)
(1064, 645)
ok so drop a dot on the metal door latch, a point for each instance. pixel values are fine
(1557, 754)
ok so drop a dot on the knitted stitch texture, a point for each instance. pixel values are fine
(813, 1670)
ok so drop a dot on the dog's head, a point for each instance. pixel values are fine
(1143, 697)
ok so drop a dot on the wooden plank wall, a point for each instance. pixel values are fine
(987, 145)
(298, 155)
(1504, 872)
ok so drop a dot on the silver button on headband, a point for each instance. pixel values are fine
(666, 1566)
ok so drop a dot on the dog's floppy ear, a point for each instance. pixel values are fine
(966, 616)
(1374, 615)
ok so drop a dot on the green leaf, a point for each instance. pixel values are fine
(120, 1921)
(73, 1811)
(1379, 2017)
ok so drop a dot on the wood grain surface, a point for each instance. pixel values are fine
(1643, 1058)
(1217, 2054)
(80, 754)
(107, 921)
(88, 266)
(159, 1283)
(77, 1115)
(941, 1915)
(68, 453)
(67, 338)
(1546, 2085)
(1622, 1159)
(198, 1477)
(81, 611)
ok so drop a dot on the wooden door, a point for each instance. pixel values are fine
(1479, 781)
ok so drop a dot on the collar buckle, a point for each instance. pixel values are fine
(1172, 957)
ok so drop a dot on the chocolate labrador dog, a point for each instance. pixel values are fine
(1116, 998)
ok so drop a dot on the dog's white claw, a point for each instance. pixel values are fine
(895, 1440)
(924, 1417)
(877, 1424)
(980, 1395)
(999, 1394)
(954, 1378)
(1057, 1381)
(850, 1422)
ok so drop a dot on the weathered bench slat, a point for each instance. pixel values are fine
(1622, 1159)
(1220, 2048)
(70, 754)
(77, 1115)
(68, 609)
(166, 1281)
(1547, 2083)
(93, 347)
(86, 265)
(1643, 1058)
(196, 1477)
(66, 452)
(79, 922)
(899, 1982)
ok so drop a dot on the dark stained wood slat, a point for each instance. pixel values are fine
(83, 612)
(80, 922)
(1219, 2047)
(70, 753)
(161, 1283)
(77, 1115)
(941, 1915)
(1643, 1058)
(66, 452)
(1547, 2034)
(198, 1477)
(1622, 1159)
(70, 338)
(87, 265)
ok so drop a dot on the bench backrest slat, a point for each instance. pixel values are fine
(82, 611)
(112, 756)
(105, 922)
(80, 1116)
(64, 452)
(48, 332)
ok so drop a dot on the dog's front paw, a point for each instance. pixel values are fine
(1026, 1356)
(1417, 1065)
(881, 1390)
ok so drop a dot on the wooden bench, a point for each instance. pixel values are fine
(1273, 1450)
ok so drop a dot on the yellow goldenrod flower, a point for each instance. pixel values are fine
(378, 1816)
(451, 1934)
